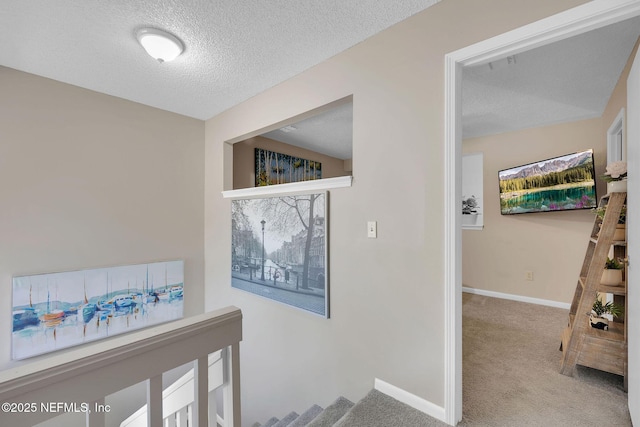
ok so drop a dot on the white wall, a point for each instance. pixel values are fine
(88, 180)
(387, 319)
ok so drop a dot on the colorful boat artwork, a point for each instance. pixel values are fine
(88, 309)
(26, 316)
(60, 310)
(175, 292)
(51, 318)
(122, 301)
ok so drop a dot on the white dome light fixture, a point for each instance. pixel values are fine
(159, 44)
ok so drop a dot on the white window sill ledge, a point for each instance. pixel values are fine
(293, 187)
(472, 227)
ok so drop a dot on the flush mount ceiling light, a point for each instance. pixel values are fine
(159, 44)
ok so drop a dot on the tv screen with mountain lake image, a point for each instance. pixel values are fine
(557, 184)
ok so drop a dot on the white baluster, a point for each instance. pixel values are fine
(231, 390)
(213, 409)
(181, 418)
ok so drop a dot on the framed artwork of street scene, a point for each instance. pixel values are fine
(279, 249)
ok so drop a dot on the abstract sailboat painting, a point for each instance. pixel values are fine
(59, 310)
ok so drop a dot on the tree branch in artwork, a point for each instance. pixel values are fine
(284, 211)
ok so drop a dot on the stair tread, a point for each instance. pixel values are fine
(288, 419)
(307, 416)
(271, 422)
(377, 409)
(332, 413)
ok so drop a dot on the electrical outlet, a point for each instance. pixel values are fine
(528, 275)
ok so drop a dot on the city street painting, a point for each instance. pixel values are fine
(279, 249)
(58, 310)
(277, 168)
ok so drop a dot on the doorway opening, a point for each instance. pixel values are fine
(593, 15)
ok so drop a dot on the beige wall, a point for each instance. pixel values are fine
(88, 180)
(550, 244)
(387, 318)
(244, 169)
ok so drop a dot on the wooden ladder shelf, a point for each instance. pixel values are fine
(583, 345)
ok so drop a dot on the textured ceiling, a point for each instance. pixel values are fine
(565, 81)
(234, 49)
(329, 133)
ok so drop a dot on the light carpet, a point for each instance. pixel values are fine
(511, 377)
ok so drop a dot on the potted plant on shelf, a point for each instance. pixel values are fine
(616, 177)
(469, 210)
(621, 228)
(598, 310)
(612, 274)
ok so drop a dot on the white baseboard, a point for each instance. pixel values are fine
(410, 399)
(520, 298)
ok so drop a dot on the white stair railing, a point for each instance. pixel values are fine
(178, 398)
(81, 378)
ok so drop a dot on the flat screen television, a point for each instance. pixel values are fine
(558, 184)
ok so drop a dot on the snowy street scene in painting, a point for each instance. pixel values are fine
(279, 249)
(58, 310)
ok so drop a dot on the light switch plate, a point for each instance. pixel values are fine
(372, 229)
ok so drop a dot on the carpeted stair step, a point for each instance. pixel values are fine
(332, 413)
(377, 409)
(284, 422)
(306, 417)
(271, 422)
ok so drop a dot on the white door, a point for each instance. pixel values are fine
(633, 229)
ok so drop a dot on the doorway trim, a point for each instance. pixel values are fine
(587, 17)
(616, 139)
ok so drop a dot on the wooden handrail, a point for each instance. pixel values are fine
(89, 373)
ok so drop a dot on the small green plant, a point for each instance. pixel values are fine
(600, 211)
(613, 264)
(609, 308)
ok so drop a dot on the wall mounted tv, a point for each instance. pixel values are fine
(557, 184)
